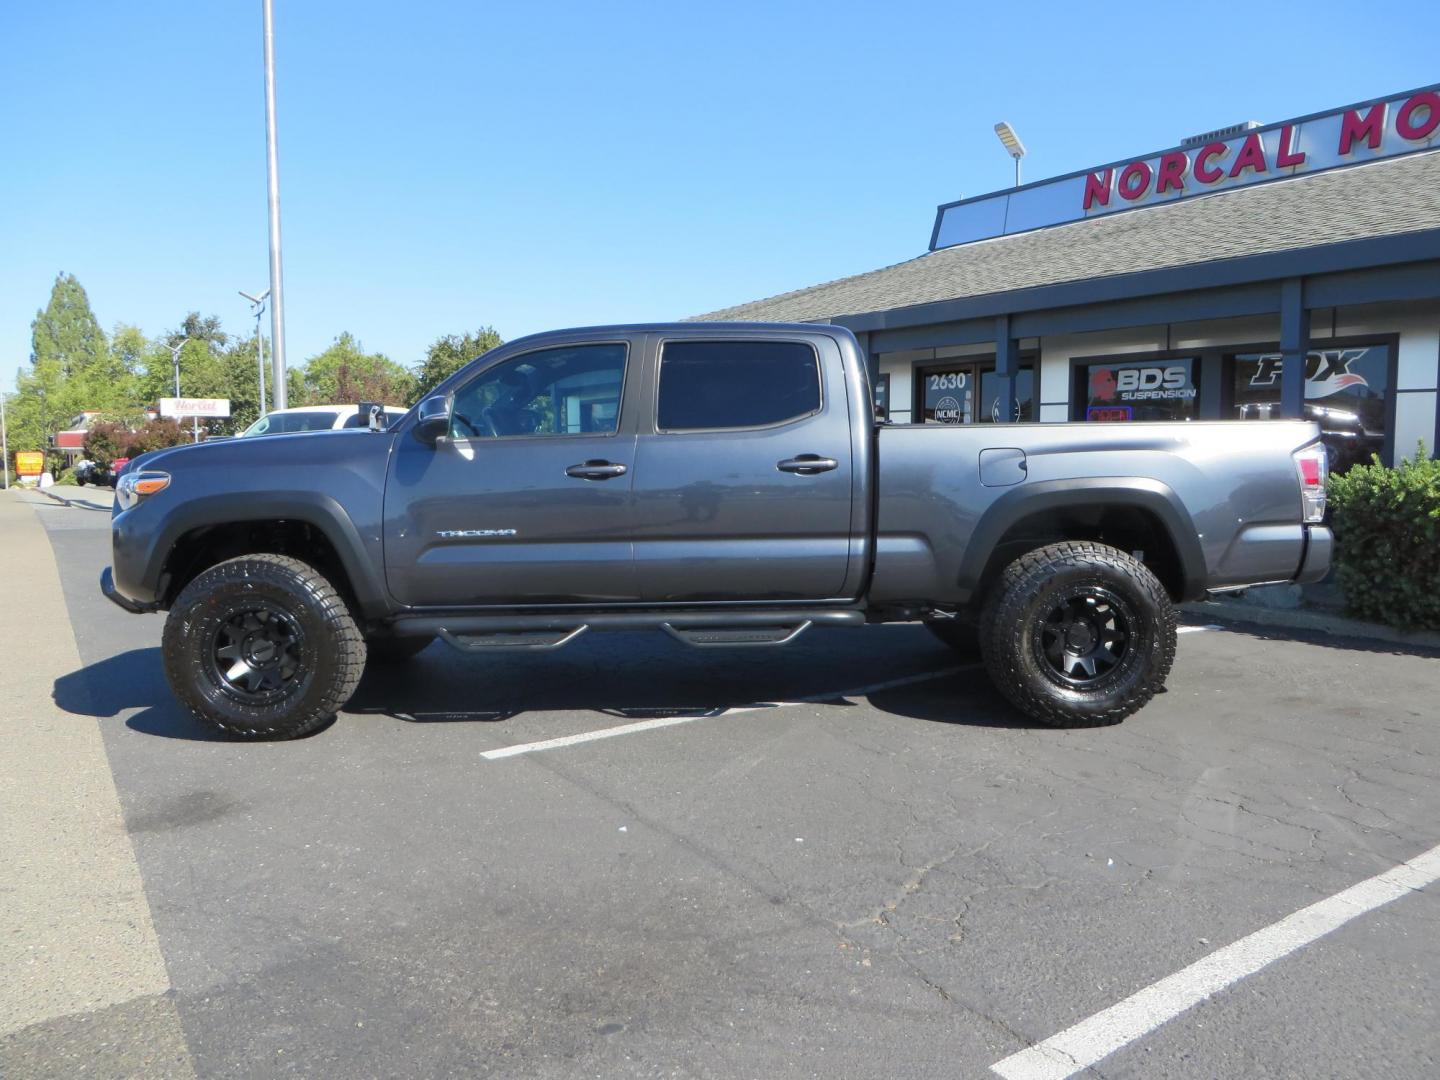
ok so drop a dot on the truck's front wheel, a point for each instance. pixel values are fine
(262, 647)
(1078, 634)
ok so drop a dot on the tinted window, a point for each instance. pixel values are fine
(1346, 391)
(1022, 410)
(882, 397)
(1154, 389)
(569, 391)
(736, 384)
(283, 423)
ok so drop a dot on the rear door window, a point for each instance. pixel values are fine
(717, 385)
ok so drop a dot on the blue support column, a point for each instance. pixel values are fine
(1294, 344)
(1006, 357)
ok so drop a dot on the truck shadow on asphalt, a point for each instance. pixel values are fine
(623, 676)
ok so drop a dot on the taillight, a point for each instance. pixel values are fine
(1311, 466)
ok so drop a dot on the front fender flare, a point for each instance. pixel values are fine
(314, 509)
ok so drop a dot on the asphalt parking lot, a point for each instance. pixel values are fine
(842, 858)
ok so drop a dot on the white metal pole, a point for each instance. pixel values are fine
(260, 351)
(4, 441)
(277, 302)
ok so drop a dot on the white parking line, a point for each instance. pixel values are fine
(671, 721)
(1101, 1035)
(1197, 629)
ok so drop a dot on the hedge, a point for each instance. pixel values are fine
(1387, 532)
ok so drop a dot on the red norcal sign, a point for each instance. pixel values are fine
(1385, 127)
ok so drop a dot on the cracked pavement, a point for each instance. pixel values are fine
(914, 883)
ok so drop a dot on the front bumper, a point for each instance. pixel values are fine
(1319, 548)
(119, 599)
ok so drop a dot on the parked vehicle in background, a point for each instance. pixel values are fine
(725, 483)
(106, 475)
(85, 472)
(315, 418)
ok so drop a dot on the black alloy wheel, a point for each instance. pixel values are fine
(257, 654)
(1078, 634)
(1085, 635)
(262, 647)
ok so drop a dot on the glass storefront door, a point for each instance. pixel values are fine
(968, 392)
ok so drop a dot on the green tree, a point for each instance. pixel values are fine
(65, 331)
(345, 374)
(70, 370)
(448, 355)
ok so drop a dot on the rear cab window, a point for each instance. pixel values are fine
(725, 385)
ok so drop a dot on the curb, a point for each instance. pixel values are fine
(1300, 619)
(71, 503)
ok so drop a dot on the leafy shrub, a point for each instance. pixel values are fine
(1387, 531)
(66, 479)
(106, 441)
(159, 433)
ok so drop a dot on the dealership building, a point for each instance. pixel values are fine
(1287, 269)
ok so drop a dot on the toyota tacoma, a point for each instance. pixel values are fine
(728, 484)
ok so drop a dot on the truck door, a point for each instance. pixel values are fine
(527, 500)
(743, 472)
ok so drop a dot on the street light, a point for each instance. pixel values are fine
(175, 351)
(175, 361)
(1012, 144)
(257, 308)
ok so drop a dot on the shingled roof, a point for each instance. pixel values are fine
(1383, 198)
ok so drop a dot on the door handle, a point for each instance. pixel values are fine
(596, 470)
(807, 464)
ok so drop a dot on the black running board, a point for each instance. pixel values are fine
(701, 629)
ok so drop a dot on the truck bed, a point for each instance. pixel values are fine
(1223, 492)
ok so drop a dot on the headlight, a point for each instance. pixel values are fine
(135, 486)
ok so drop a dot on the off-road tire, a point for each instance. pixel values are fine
(960, 634)
(330, 647)
(1012, 633)
(384, 649)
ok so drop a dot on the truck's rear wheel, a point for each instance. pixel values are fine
(1078, 634)
(262, 647)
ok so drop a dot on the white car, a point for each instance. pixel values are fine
(316, 418)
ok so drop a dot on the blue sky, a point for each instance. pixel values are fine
(447, 165)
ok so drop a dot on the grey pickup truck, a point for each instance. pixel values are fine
(725, 483)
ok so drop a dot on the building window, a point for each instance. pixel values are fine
(711, 385)
(1150, 388)
(946, 394)
(1347, 391)
(882, 398)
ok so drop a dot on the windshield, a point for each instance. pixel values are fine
(283, 422)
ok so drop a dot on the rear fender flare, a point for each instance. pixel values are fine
(1142, 493)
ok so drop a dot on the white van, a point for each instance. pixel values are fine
(315, 418)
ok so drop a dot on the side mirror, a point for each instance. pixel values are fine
(433, 419)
